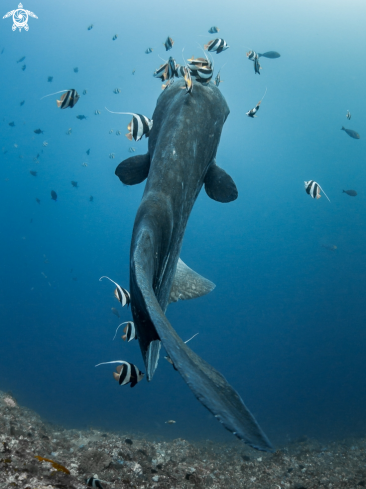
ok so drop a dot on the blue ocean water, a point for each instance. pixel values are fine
(286, 322)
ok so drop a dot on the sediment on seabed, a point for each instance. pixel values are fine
(124, 460)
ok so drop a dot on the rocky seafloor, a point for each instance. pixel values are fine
(127, 461)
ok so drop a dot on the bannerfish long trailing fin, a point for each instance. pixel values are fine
(167, 357)
(121, 294)
(138, 127)
(127, 373)
(181, 159)
(313, 189)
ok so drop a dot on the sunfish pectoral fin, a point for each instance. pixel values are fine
(219, 185)
(188, 284)
(207, 384)
(134, 170)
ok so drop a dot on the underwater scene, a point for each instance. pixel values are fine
(183, 259)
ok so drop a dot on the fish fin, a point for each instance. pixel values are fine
(59, 103)
(219, 185)
(129, 136)
(134, 170)
(115, 375)
(124, 337)
(188, 284)
(207, 384)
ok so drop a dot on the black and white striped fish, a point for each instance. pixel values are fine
(217, 45)
(168, 43)
(138, 127)
(129, 330)
(68, 99)
(127, 373)
(121, 294)
(313, 189)
(167, 71)
(201, 69)
(149, 50)
(252, 112)
(184, 72)
(213, 30)
(218, 79)
(93, 482)
(348, 115)
(251, 55)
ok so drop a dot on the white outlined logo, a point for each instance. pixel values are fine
(20, 18)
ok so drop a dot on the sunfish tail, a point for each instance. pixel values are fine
(207, 384)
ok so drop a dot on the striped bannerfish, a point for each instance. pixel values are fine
(138, 127)
(121, 294)
(201, 69)
(348, 115)
(68, 99)
(252, 112)
(149, 50)
(127, 373)
(168, 43)
(213, 30)
(93, 482)
(130, 332)
(251, 55)
(313, 189)
(217, 45)
(188, 80)
(161, 72)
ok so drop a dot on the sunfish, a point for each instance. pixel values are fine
(181, 159)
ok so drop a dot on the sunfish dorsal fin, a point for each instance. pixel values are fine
(188, 284)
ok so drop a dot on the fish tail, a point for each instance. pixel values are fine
(343, 129)
(206, 383)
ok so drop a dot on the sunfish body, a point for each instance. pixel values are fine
(351, 133)
(181, 159)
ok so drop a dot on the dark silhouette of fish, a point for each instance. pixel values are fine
(91, 198)
(53, 195)
(351, 133)
(34, 173)
(180, 160)
(3, 49)
(352, 193)
(88, 152)
(24, 67)
(74, 184)
(269, 54)
(21, 59)
(38, 201)
(12, 124)
(38, 131)
(76, 70)
(50, 78)
(81, 117)
(22, 102)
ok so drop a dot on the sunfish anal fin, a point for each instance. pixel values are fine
(188, 284)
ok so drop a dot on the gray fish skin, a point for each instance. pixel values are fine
(351, 133)
(352, 193)
(270, 54)
(181, 159)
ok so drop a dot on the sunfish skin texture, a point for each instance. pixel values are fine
(181, 159)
